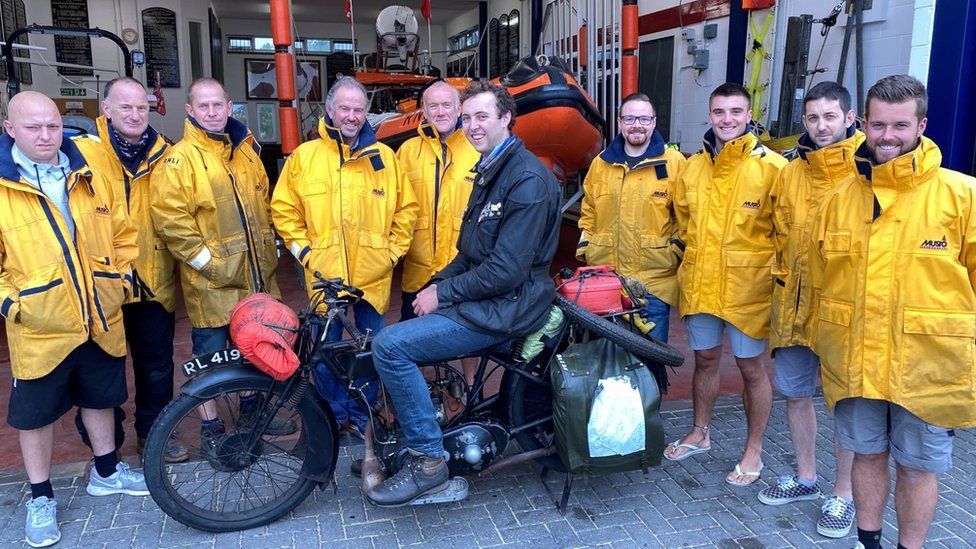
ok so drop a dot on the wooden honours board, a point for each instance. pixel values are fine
(72, 14)
(162, 49)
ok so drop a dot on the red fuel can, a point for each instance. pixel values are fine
(595, 288)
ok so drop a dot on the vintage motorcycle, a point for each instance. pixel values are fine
(244, 474)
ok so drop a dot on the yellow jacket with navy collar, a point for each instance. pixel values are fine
(725, 228)
(346, 212)
(58, 290)
(627, 219)
(209, 203)
(155, 270)
(441, 178)
(893, 261)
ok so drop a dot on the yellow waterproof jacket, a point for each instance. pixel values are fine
(627, 218)
(154, 269)
(894, 270)
(796, 197)
(346, 212)
(57, 290)
(441, 178)
(210, 205)
(725, 228)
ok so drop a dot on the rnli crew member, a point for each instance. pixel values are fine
(209, 204)
(495, 289)
(825, 159)
(627, 218)
(893, 262)
(125, 151)
(66, 251)
(726, 230)
(345, 210)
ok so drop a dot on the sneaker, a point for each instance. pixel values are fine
(788, 490)
(837, 518)
(250, 413)
(42, 522)
(123, 481)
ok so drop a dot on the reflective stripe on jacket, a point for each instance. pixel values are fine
(57, 290)
(155, 270)
(441, 177)
(627, 219)
(894, 270)
(726, 229)
(344, 212)
(796, 199)
(210, 205)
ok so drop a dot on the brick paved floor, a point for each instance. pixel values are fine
(676, 505)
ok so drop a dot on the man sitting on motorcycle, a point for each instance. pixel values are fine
(497, 288)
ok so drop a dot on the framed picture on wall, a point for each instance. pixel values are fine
(239, 113)
(262, 84)
(267, 126)
(260, 80)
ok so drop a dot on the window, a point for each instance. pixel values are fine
(240, 43)
(263, 43)
(260, 44)
(196, 49)
(318, 45)
(344, 45)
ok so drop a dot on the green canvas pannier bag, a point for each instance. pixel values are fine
(605, 409)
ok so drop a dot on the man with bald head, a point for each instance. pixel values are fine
(209, 204)
(346, 211)
(66, 252)
(125, 151)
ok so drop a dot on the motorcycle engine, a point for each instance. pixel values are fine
(470, 447)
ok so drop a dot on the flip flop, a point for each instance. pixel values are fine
(740, 473)
(692, 450)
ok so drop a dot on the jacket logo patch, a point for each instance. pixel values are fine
(935, 244)
(469, 178)
(105, 211)
(660, 194)
(490, 211)
(379, 192)
(171, 160)
(752, 205)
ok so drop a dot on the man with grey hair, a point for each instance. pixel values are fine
(346, 211)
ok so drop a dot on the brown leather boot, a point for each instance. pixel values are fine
(419, 475)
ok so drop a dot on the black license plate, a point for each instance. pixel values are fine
(219, 359)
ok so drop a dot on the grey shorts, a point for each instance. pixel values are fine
(797, 368)
(869, 427)
(705, 332)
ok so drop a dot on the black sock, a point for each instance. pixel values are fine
(42, 489)
(105, 465)
(870, 539)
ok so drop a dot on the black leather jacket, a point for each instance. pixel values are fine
(499, 282)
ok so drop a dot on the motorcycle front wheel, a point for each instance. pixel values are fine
(244, 466)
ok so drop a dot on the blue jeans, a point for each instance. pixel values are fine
(396, 353)
(659, 313)
(343, 405)
(210, 340)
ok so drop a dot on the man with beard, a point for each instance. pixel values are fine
(725, 229)
(496, 288)
(894, 273)
(346, 211)
(825, 159)
(627, 218)
(126, 151)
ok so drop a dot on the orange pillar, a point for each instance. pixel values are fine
(581, 46)
(284, 74)
(628, 46)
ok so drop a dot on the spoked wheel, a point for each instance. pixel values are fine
(530, 413)
(236, 477)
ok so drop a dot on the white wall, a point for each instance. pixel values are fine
(115, 15)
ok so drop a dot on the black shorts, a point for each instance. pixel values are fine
(88, 378)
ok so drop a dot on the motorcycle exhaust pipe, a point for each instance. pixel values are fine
(372, 475)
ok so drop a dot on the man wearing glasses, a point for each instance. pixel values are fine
(627, 218)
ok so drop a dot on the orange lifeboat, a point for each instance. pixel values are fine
(555, 118)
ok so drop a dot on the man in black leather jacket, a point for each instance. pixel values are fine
(497, 288)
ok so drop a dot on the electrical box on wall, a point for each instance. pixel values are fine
(688, 34)
(711, 31)
(701, 60)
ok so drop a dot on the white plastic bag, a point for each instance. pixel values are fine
(616, 426)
